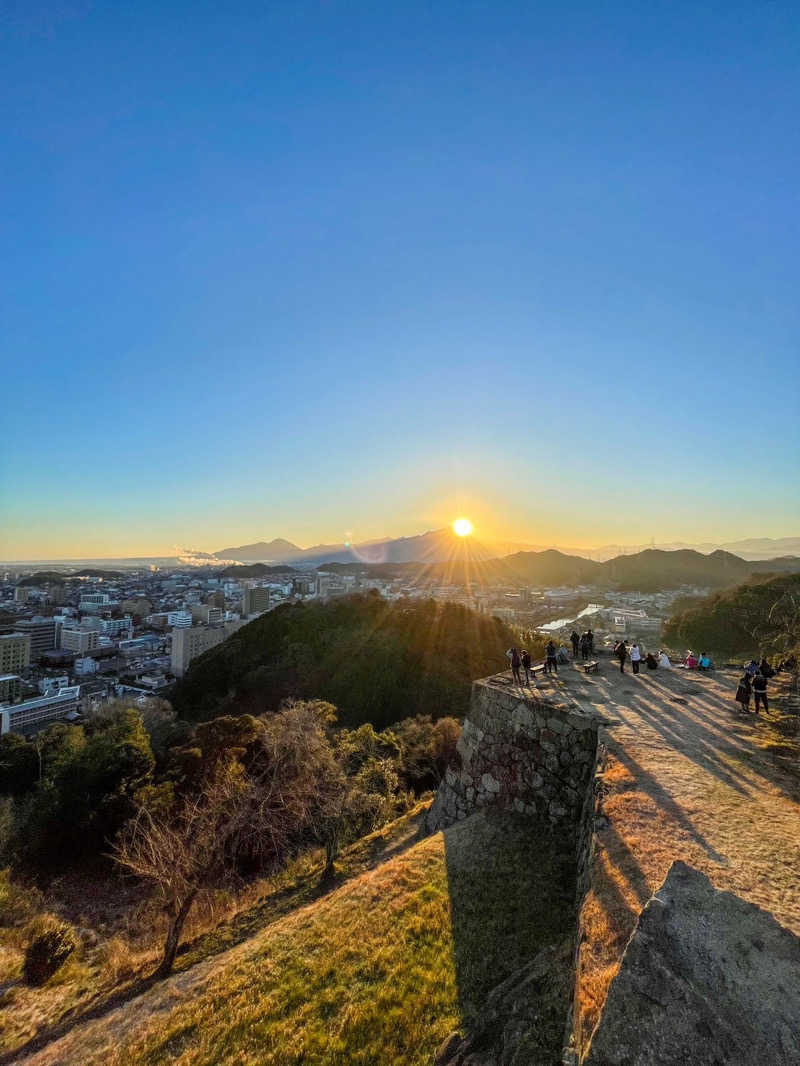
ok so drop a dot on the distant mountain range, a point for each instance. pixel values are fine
(442, 544)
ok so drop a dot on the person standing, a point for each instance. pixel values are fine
(743, 692)
(515, 664)
(590, 639)
(636, 656)
(526, 665)
(585, 647)
(760, 692)
(576, 640)
(552, 663)
(621, 652)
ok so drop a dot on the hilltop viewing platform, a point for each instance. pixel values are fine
(679, 776)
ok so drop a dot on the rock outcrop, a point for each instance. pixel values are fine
(706, 979)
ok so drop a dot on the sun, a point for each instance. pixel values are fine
(462, 527)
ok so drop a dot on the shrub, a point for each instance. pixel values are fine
(51, 942)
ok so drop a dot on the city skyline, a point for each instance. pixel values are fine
(341, 273)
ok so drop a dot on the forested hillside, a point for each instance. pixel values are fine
(760, 615)
(378, 662)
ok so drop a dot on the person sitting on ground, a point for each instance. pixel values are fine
(789, 665)
(743, 693)
(691, 662)
(652, 662)
(575, 640)
(563, 655)
(760, 691)
(515, 664)
(526, 665)
(704, 663)
(551, 663)
(663, 660)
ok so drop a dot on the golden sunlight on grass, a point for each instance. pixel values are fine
(462, 527)
(377, 971)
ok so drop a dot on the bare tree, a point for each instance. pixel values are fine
(260, 813)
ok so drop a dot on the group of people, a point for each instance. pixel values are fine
(583, 644)
(753, 682)
(637, 657)
(520, 659)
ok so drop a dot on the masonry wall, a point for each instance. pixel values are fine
(518, 752)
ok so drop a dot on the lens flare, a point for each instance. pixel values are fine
(462, 527)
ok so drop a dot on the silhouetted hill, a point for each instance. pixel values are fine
(377, 661)
(256, 570)
(273, 551)
(41, 577)
(761, 615)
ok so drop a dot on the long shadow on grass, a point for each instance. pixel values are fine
(380, 847)
(512, 893)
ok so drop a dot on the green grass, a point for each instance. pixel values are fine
(377, 972)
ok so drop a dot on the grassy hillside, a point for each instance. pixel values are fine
(378, 972)
(377, 661)
(757, 616)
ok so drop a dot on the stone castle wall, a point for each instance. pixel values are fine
(519, 752)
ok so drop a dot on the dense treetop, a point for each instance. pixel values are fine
(378, 661)
(760, 615)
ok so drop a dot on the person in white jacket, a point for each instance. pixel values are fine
(663, 660)
(636, 656)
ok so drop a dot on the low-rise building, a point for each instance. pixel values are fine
(30, 715)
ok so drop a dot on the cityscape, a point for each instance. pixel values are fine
(71, 641)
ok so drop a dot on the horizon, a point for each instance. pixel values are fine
(342, 270)
(217, 557)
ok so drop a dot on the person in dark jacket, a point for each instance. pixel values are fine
(576, 640)
(765, 668)
(760, 692)
(590, 638)
(652, 662)
(585, 647)
(743, 692)
(526, 666)
(551, 663)
(621, 652)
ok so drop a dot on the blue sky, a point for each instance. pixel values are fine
(317, 268)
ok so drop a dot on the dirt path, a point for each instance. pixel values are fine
(685, 778)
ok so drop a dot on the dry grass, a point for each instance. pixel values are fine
(377, 972)
(124, 933)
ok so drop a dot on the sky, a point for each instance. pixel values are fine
(328, 270)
